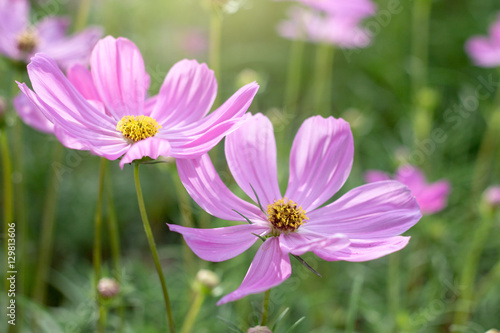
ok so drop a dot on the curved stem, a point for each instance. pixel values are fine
(193, 312)
(294, 76)
(214, 46)
(97, 244)
(265, 308)
(47, 229)
(152, 247)
(83, 14)
(323, 79)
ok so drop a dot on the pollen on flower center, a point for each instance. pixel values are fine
(27, 41)
(285, 215)
(137, 128)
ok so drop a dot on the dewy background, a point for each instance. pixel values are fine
(377, 89)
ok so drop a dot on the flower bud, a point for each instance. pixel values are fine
(492, 196)
(108, 287)
(207, 278)
(3, 106)
(259, 329)
(493, 331)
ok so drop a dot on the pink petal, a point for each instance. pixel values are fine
(31, 115)
(52, 29)
(270, 267)
(372, 176)
(220, 244)
(187, 94)
(204, 185)
(14, 19)
(251, 157)
(81, 78)
(381, 209)
(483, 52)
(119, 76)
(320, 161)
(298, 243)
(353, 8)
(150, 147)
(74, 49)
(434, 197)
(364, 249)
(412, 177)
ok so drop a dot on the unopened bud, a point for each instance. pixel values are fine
(492, 196)
(493, 331)
(108, 287)
(208, 278)
(247, 76)
(259, 329)
(3, 106)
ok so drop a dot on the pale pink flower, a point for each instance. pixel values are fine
(105, 110)
(353, 8)
(340, 30)
(20, 39)
(432, 198)
(492, 195)
(363, 224)
(485, 50)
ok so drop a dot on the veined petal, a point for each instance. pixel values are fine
(187, 94)
(364, 249)
(320, 161)
(32, 115)
(150, 147)
(119, 76)
(372, 176)
(381, 209)
(298, 243)
(81, 78)
(269, 268)
(204, 185)
(220, 244)
(251, 157)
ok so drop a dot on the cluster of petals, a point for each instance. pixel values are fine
(330, 22)
(432, 198)
(47, 36)
(87, 106)
(485, 50)
(363, 224)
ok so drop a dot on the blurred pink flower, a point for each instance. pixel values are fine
(105, 110)
(194, 41)
(310, 25)
(354, 8)
(364, 224)
(432, 198)
(492, 195)
(485, 50)
(19, 40)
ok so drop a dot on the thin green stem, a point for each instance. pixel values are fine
(353, 303)
(265, 308)
(152, 247)
(98, 244)
(469, 271)
(294, 76)
(393, 285)
(323, 79)
(47, 230)
(193, 312)
(214, 46)
(83, 14)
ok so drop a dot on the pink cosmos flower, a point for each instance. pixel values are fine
(432, 198)
(19, 40)
(485, 51)
(105, 110)
(492, 195)
(353, 8)
(364, 224)
(341, 30)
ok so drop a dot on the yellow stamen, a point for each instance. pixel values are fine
(137, 128)
(27, 41)
(285, 216)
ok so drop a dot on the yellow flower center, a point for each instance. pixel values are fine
(27, 41)
(285, 215)
(137, 128)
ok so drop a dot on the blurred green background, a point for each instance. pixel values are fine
(371, 88)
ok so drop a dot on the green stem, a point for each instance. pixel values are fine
(83, 14)
(323, 79)
(8, 194)
(47, 230)
(193, 312)
(353, 304)
(294, 76)
(98, 244)
(393, 287)
(214, 47)
(469, 271)
(265, 308)
(152, 247)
